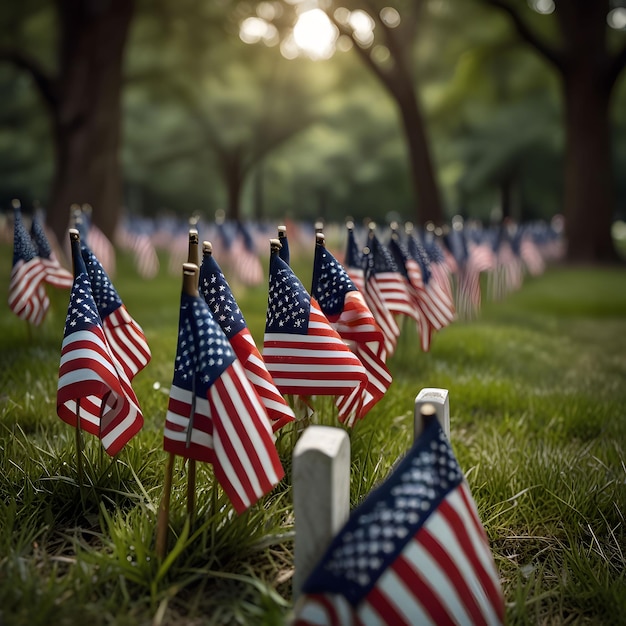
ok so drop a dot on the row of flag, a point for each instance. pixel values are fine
(334, 339)
(228, 399)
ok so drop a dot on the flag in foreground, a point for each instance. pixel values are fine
(345, 309)
(27, 295)
(214, 414)
(93, 393)
(219, 296)
(414, 552)
(304, 354)
(125, 337)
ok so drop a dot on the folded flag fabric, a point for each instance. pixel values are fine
(27, 294)
(93, 392)
(214, 413)
(346, 310)
(125, 337)
(414, 552)
(218, 295)
(302, 351)
(56, 274)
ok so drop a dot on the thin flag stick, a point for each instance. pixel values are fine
(193, 256)
(79, 454)
(190, 286)
(164, 508)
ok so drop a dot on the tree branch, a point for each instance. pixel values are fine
(548, 52)
(44, 83)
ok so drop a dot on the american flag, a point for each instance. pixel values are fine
(124, 335)
(56, 274)
(440, 273)
(214, 413)
(434, 312)
(219, 296)
(245, 261)
(346, 310)
(91, 387)
(438, 287)
(92, 236)
(304, 354)
(27, 294)
(355, 267)
(134, 236)
(414, 552)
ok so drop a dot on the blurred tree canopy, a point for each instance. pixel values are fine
(188, 106)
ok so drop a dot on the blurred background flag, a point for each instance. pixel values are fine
(304, 354)
(214, 413)
(218, 295)
(93, 393)
(346, 310)
(27, 295)
(56, 274)
(414, 552)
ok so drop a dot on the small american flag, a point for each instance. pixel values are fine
(125, 337)
(214, 413)
(219, 296)
(414, 552)
(27, 294)
(91, 386)
(304, 354)
(346, 310)
(355, 267)
(56, 274)
(246, 265)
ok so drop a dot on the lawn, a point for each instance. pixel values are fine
(538, 423)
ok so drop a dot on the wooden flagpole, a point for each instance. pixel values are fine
(190, 287)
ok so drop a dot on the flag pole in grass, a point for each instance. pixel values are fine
(190, 287)
(193, 256)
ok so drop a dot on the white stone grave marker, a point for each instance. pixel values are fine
(321, 495)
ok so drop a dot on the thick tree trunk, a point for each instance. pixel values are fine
(426, 190)
(589, 200)
(87, 120)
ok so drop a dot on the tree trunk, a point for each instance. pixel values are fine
(425, 188)
(87, 120)
(234, 183)
(589, 195)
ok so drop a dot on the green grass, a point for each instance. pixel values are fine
(538, 424)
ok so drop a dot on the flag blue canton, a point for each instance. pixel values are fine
(23, 248)
(380, 259)
(104, 293)
(331, 282)
(400, 254)
(289, 304)
(354, 258)
(203, 352)
(379, 529)
(40, 240)
(219, 297)
(82, 313)
(418, 252)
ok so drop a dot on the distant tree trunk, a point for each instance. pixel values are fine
(423, 179)
(588, 71)
(87, 117)
(234, 173)
(589, 199)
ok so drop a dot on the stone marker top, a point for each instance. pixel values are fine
(325, 439)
